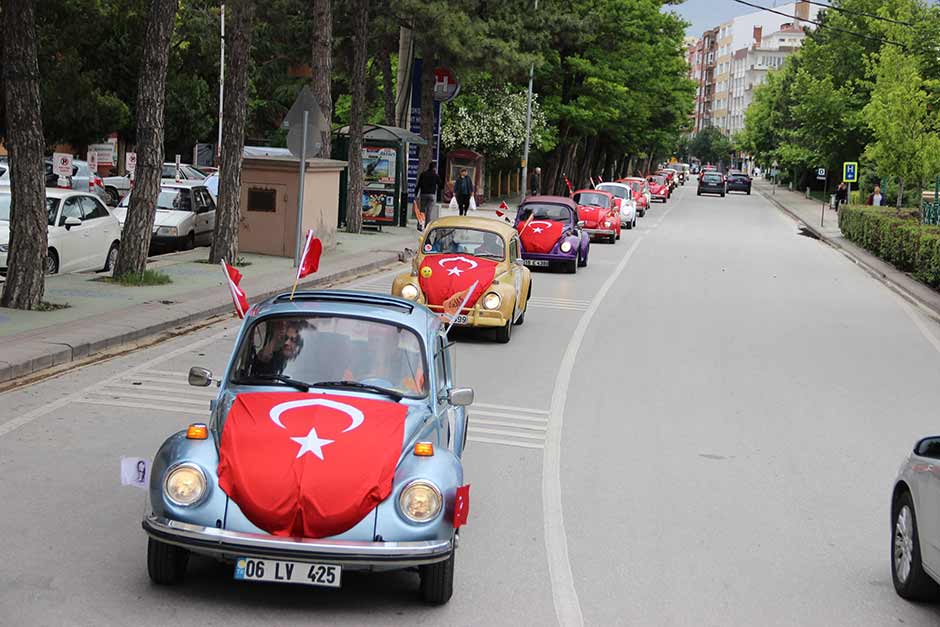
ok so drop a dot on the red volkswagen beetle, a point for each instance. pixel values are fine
(600, 212)
(659, 188)
(641, 193)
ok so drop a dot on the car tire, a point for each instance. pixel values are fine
(113, 196)
(111, 259)
(503, 334)
(698, 193)
(437, 581)
(166, 563)
(190, 241)
(571, 267)
(916, 585)
(52, 261)
(582, 260)
(643, 213)
(722, 194)
(748, 191)
(630, 224)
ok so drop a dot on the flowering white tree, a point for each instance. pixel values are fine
(491, 121)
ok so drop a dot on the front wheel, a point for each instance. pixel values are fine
(113, 196)
(190, 241)
(907, 570)
(571, 267)
(166, 563)
(521, 317)
(52, 261)
(111, 259)
(437, 581)
(503, 334)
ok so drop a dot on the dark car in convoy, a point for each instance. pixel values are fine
(711, 182)
(739, 182)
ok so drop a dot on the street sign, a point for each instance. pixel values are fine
(446, 85)
(130, 162)
(850, 172)
(295, 121)
(63, 163)
(104, 152)
(821, 174)
(92, 160)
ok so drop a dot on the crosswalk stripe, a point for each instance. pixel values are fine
(152, 397)
(118, 389)
(502, 423)
(496, 414)
(486, 430)
(182, 383)
(503, 442)
(128, 405)
(512, 408)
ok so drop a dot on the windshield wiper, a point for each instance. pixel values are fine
(355, 385)
(279, 378)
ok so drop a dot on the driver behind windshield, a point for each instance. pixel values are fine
(384, 363)
(281, 346)
(491, 246)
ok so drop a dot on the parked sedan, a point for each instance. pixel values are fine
(186, 172)
(739, 182)
(623, 200)
(82, 233)
(185, 215)
(915, 523)
(711, 182)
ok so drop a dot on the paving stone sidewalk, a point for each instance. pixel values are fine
(823, 223)
(102, 316)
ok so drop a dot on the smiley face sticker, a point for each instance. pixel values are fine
(426, 272)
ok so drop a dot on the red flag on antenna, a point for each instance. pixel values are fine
(568, 183)
(310, 259)
(234, 277)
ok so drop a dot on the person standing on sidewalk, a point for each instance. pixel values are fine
(463, 190)
(428, 185)
(876, 198)
(535, 182)
(842, 195)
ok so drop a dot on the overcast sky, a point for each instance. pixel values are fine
(705, 14)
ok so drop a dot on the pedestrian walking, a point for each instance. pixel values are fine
(876, 198)
(842, 195)
(535, 182)
(429, 183)
(463, 191)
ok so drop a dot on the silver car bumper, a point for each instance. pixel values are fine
(349, 554)
(610, 231)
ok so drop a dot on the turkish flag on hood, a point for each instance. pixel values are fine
(540, 236)
(309, 465)
(442, 275)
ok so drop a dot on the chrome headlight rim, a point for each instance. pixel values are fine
(488, 303)
(410, 292)
(185, 466)
(566, 246)
(420, 483)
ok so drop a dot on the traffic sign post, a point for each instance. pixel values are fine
(821, 176)
(92, 160)
(849, 175)
(62, 165)
(130, 164)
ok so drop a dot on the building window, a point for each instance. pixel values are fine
(262, 200)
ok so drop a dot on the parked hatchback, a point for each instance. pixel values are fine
(82, 233)
(915, 523)
(185, 215)
(739, 182)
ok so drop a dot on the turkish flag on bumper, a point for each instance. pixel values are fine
(442, 276)
(309, 465)
(540, 236)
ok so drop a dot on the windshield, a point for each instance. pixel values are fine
(711, 177)
(636, 186)
(558, 213)
(52, 206)
(593, 199)
(333, 349)
(170, 198)
(466, 241)
(616, 190)
(659, 180)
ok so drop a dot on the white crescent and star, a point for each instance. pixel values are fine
(456, 271)
(539, 229)
(312, 442)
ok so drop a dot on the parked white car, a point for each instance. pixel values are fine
(185, 215)
(83, 235)
(624, 193)
(117, 187)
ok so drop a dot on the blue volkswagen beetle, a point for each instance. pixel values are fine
(334, 445)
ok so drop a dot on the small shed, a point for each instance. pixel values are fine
(386, 170)
(270, 189)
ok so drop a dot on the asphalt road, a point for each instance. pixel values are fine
(700, 428)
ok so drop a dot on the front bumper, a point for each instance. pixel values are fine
(479, 317)
(545, 260)
(601, 232)
(351, 555)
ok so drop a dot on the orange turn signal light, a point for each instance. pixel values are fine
(424, 449)
(197, 431)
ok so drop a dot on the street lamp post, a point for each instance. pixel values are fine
(528, 126)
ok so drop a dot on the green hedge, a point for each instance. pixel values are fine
(898, 239)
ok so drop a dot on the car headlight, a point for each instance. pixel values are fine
(409, 292)
(566, 247)
(4, 248)
(607, 223)
(492, 301)
(185, 485)
(167, 230)
(420, 501)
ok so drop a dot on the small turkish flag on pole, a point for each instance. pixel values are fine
(234, 277)
(461, 506)
(568, 183)
(309, 260)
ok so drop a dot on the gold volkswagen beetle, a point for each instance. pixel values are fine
(471, 261)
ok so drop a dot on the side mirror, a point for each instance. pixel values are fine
(70, 222)
(460, 397)
(518, 261)
(580, 223)
(928, 447)
(200, 377)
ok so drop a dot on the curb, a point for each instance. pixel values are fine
(930, 309)
(58, 354)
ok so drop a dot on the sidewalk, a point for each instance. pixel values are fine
(102, 316)
(826, 227)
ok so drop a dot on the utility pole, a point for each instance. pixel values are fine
(218, 146)
(528, 126)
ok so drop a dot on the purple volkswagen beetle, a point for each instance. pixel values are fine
(551, 233)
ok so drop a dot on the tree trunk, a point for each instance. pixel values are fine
(225, 236)
(403, 80)
(388, 86)
(426, 152)
(151, 98)
(24, 141)
(360, 15)
(588, 160)
(323, 68)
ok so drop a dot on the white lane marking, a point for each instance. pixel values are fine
(472, 438)
(168, 373)
(505, 432)
(506, 423)
(497, 414)
(918, 321)
(564, 593)
(176, 409)
(94, 396)
(117, 389)
(39, 412)
(518, 410)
